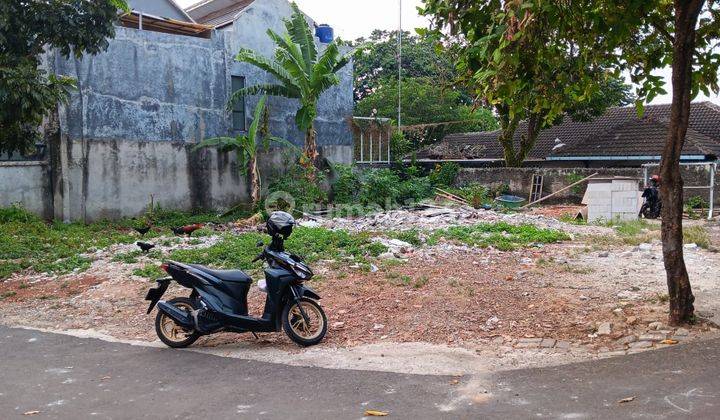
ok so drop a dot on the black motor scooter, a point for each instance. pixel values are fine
(218, 301)
(652, 205)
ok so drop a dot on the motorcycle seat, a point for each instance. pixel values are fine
(234, 276)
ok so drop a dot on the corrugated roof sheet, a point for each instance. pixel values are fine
(704, 120)
(219, 17)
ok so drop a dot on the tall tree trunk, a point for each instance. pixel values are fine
(515, 158)
(254, 181)
(310, 152)
(671, 188)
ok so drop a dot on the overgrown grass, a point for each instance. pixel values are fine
(150, 271)
(502, 235)
(640, 231)
(313, 244)
(26, 241)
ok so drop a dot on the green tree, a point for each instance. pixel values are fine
(246, 146)
(425, 102)
(29, 28)
(301, 74)
(376, 60)
(524, 66)
(642, 36)
(639, 37)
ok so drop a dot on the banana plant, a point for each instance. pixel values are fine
(300, 72)
(246, 146)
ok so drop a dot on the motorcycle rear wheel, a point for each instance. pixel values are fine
(171, 333)
(297, 329)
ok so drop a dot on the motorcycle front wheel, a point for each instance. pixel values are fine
(171, 333)
(299, 331)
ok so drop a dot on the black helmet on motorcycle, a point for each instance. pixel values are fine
(280, 224)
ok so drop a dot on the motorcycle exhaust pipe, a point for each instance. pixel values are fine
(181, 317)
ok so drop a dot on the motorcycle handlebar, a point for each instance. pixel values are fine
(259, 257)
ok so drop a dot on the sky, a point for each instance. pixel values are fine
(352, 19)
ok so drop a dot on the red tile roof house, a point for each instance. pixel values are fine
(619, 138)
(617, 143)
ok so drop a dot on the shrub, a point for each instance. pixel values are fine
(381, 188)
(414, 189)
(346, 185)
(573, 178)
(16, 213)
(299, 183)
(474, 193)
(444, 174)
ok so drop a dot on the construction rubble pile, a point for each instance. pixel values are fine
(431, 218)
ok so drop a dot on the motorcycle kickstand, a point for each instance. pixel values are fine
(255, 335)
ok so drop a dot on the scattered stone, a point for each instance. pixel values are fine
(652, 337)
(492, 321)
(338, 324)
(641, 345)
(631, 320)
(604, 329)
(378, 327)
(547, 343)
(626, 340)
(691, 246)
(562, 345)
(629, 295)
(657, 325)
(682, 332)
(645, 247)
(604, 254)
(386, 256)
(528, 343)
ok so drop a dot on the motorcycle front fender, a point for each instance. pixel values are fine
(154, 294)
(309, 293)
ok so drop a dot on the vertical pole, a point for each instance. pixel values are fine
(399, 66)
(362, 146)
(389, 141)
(371, 156)
(380, 147)
(140, 20)
(713, 169)
(645, 176)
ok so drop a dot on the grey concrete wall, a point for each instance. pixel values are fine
(140, 106)
(335, 105)
(26, 183)
(519, 180)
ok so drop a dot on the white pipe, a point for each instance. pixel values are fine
(713, 169)
(400, 67)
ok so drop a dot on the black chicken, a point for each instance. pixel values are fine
(142, 230)
(146, 247)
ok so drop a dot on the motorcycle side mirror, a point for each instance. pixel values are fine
(260, 244)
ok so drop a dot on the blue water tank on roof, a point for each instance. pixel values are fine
(325, 32)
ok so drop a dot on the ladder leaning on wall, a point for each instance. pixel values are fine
(536, 187)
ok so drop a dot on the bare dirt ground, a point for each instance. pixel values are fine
(481, 308)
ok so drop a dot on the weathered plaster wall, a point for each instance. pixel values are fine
(519, 180)
(26, 183)
(140, 106)
(335, 105)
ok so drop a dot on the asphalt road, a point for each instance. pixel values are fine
(60, 376)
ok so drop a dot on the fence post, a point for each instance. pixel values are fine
(713, 169)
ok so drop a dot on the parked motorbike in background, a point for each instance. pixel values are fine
(218, 298)
(652, 204)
